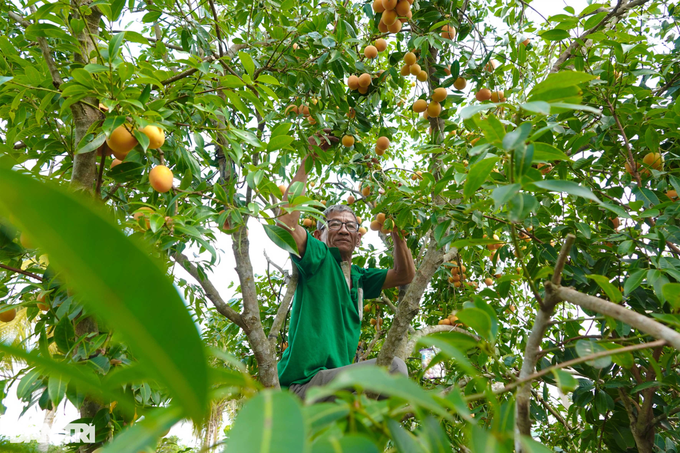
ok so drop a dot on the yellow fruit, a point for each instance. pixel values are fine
(488, 281)
(457, 284)
(410, 58)
(121, 141)
(9, 315)
(362, 231)
(422, 76)
(378, 6)
(292, 108)
(460, 83)
(526, 42)
(363, 90)
(347, 141)
(380, 217)
(434, 109)
(491, 65)
(445, 322)
(382, 142)
(376, 226)
(380, 44)
(405, 70)
(497, 96)
(143, 212)
(374, 321)
(367, 308)
(359, 220)
(366, 191)
(370, 52)
(382, 27)
(439, 94)
(389, 4)
(406, 16)
(629, 169)
(364, 80)
(403, 8)
(156, 136)
(653, 160)
(672, 194)
(389, 17)
(351, 113)
(483, 95)
(448, 32)
(25, 242)
(160, 178)
(351, 199)
(420, 106)
(395, 27)
(307, 223)
(379, 151)
(415, 69)
(447, 71)
(115, 163)
(353, 82)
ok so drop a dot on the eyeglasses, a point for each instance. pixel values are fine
(336, 225)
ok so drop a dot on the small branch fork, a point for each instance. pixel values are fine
(555, 293)
(21, 271)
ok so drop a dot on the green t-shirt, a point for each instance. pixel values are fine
(325, 321)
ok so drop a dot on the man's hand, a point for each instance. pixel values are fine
(323, 140)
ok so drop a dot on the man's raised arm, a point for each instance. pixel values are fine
(404, 267)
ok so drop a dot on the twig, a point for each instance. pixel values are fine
(210, 290)
(551, 409)
(100, 176)
(44, 48)
(21, 271)
(282, 312)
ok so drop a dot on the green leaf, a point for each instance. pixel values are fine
(403, 440)
(570, 187)
(63, 335)
(282, 237)
(561, 79)
(114, 45)
(281, 141)
(472, 110)
(455, 397)
(625, 360)
(266, 78)
(544, 152)
(634, 280)
(93, 145)
(523, 158)
(564, 381)
(584, 348)
(377, 380)
(556, 34)
(467, 242)
(321, 415)
(529, 445)
(483, 441)
(477, 175)
(503, 194)
(516, 138)
(56, 386)
(146, 432)
(270, 422)
(541, 107)
(570, 106)
(350, 443)
(477, 319)
(94, 265)
(452, 349)
(247, 62)
(671, 292)
(612, 291)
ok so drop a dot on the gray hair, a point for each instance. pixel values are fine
(334, 208)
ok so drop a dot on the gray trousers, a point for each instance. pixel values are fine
(323, 377)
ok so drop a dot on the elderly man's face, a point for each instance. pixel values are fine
(343, 238)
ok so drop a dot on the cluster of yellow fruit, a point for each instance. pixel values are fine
(360, 83)
(653, 160)
(293, 109)
(486, 94)
(394, 14)
(7, 315)
(493, 247)
(145, 212)
(381, 145)
(411, 67)
(456, 274)
(434, 108)
(451, 320)
(371, 51)
(122, 140)
(382, 223)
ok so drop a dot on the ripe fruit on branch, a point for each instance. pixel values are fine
(121, 141)
(382, 27)
(420, 106)
(389, 4)
(409, 58)
(160, 178)
(376, 226)
(544, 168)
(405, 70)
(415, 69)
(389, 17)
(629, 168)
(347, 141)
(483, 95)
(422, 76)
(403, 8)
(304, 110)
(395, 27)
(115, 163)
(434, 109)
(156, 136)
(370, 52)
(353, 82)
(362, 231)
(366, 191)
(616, 222)
(378, 6)
(364, 80)
(380, 44)
(488, 281)
(497, 96)
(653, 160)
(439, 94)
(491, 65)
(143, 212)
(373, 321)
(379, 151)
(526, 42)
(382, 143)
(448, 32)
(292, 109)
(444, 322)
(380, 217)
(9, 315)
(460, 83)
(351, 199)
(25, 242)
(307, 223)
(672, 194)
(363, 90)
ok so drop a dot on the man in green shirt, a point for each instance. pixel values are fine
(325, 322)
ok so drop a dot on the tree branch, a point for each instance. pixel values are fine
(21, 271)
(210, 290)
(283, 308)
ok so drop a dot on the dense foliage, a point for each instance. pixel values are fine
(577, 134)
